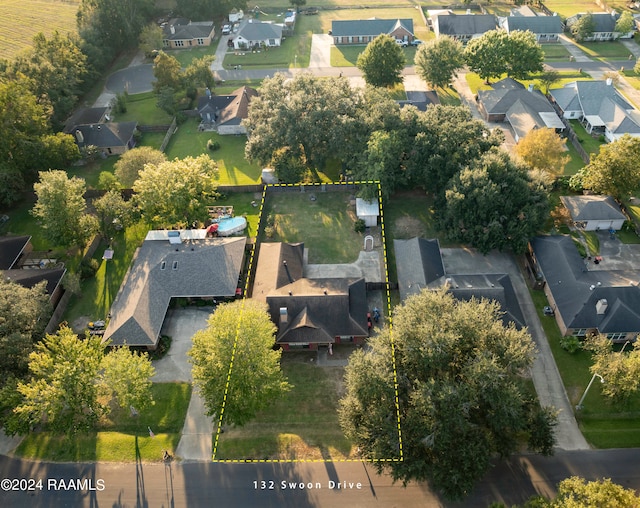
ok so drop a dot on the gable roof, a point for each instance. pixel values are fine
(419, 265)
(503, 96)
(11, 248)
(84, 116)
(161, 270)
(258, 31)
(228, 109)
(317, 310)
(576, 290)
(105, 135)
(526, 115)
(585, 208)
(369, 27)
(184, 29)
(464, 24)
(603, 21)
(29, 278)
(535, 24)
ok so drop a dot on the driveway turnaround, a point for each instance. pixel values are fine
(136, 79)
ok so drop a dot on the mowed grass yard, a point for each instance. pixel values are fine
(120, 437)
(325, 225)
(22, 19)
(302, 425)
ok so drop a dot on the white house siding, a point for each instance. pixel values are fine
(604, 225)
(231, 129)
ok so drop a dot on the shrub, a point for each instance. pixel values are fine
(88, 268)
(360, 226)
(570, 344)
(163, 347)
(213, 145)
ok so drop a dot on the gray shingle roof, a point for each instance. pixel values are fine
(369, 27)
(465, 24)
(207, 267)
(11, 247)
(584, 208)
(84, 116)
(535, 24)
(188, 31)
(29, 278)
(576, 290)
(526, 115)
(257, 31)
(418, 263)
(498, 102)
(104, 135)
(231, 109)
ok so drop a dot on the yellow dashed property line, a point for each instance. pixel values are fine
(235, 343)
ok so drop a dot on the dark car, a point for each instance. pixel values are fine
(548, 311)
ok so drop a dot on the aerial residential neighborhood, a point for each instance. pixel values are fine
(297, 254)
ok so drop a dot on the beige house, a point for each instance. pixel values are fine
(181, 33)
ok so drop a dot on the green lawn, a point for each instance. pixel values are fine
(593, 242)
(603, 425)
(609, 50)
(632, 78)
(575, 163)
(186, 56)
(302, 425)
(588, 142)
(152, 139)
(477, 83)
(234, 168)
(324, 225)
(143, 109)
(449, 97)
(555, 52)
(347, 56)
(120, 438)
(98, 292)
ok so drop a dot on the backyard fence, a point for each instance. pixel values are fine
(170, 132)
(571, 135)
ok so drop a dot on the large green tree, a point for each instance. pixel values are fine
(241, 331)
(382, 62)
(614, 170)
(625, 23)
(167, 71)
(574, 492)
(524, 55)
(23, 316)
(151, 39)
(62, 210)
(583, 27)
(129, 165)
(198, 73)
(176, 192)
(314, 117)
(126, 378)
(494, 204)
(438, 60)
(113, 212)
(461, 393)
(544, 150)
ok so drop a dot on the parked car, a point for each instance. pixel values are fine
(401, 43)
(548, 311)
(416, 42)
(96, 325)
(226, 29)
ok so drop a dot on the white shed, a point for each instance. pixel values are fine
(368, 211)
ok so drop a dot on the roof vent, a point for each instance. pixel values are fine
(591, 287)
(601, 306)
(284, 316)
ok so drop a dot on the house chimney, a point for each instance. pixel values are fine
(286, 267)
(609, 81)
(601, 306)
(172, 29)
(284, 316)
(530, 87)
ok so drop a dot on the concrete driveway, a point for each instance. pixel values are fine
(616, 255)
(320, 51)
(544, 371)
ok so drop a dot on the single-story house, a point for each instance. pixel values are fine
(599, 107)
(363, 31)
(254, 34)
(368, 211)
(545, 28)
(523, 108)
(594, 213)
(309, 313)
(463, 27)
(171, 264)
(112, 138)
(420, 99)
(226, 112)
(182, 33)
(14, 251)
(604, 26)
(586, 301)
(86, 116)
(419, 266)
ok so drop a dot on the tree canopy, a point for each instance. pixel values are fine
(438, 60)
(168, 72)
(113, 212)
(243, 330)
(461, 393)
(61, 209)
(583, 27)
(603, 493)
(544, 150)
(614, 170)
(176, 192)
(497, 52)
(128, 166)
(494, 204)
(382, 62)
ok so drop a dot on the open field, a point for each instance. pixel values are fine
(22, 19)
(302, 425)
(325, 224)
(120, 438)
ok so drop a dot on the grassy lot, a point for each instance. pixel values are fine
(21, 222)
(477, 83)
(324, 225)
(609, 50)
(588, 142)
(347, 56)
(603, 426)
(632, 78)
(120, 438)
(234, 168)
(98, 292)
(449, 97)
(555, 52)
(143, 109)
(22, 19)
(91, 171)
(593, 242)
(566, 8)
(186, 56)
(301, 425)
(152, 139)
(575, 163)
(241, 203)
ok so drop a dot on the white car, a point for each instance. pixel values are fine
(226, 29)
(401, 43)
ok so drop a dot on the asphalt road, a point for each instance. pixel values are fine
(241, 485)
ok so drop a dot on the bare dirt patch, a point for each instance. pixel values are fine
(408, 227)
